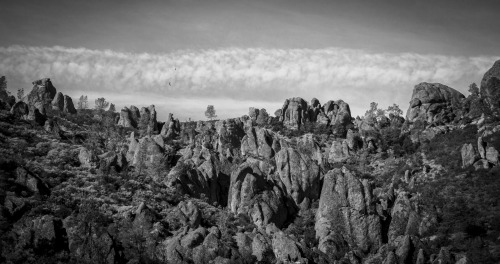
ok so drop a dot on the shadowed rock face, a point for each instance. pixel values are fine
(346, 217)
(258, 142)
(69, 107)
(433, 102)
(251, 193)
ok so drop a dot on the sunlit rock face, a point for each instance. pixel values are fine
(433, 102)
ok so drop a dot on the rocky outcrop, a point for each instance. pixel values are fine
(259, 142)
(148, 120)
(433, 103)
(20, 110)
(58, 102)
(171, 128)
(337, 112)
(286, 249)
(144, 153)
(346, 217)
(490, 86)
(35, 115)
(126, 119)
(69, 107)
(252, 194)
(230, 133)
(131, 117)
(41, 95)
(469, 155)
(294, 112)
(300, 175)
(339, 151)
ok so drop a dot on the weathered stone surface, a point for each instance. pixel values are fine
(171, 128)
(300, 176)
(258, 142)
(252, 194)
(346, 217)
(125, 118)
(41, 95)
(261, 247)
(286, 249)
(433, 102)
(400, 214)
(338, 112)
(294, 112)
(492, 155)
(190, 213)
(58, 102)
(481, 147)
(469, 155)
(339, 151)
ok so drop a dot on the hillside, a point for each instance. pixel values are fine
(311, 184)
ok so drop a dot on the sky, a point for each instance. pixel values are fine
(183, 55)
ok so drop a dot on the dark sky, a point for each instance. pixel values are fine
(415, 32)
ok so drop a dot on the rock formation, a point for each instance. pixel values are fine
(58, 102)
(69, 107)
(433, 103)
(346, 217)
(252, 194)
(294, 112)
(41, 95)
(490, 86)
(300, 175)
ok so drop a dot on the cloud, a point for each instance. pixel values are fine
(267, 75)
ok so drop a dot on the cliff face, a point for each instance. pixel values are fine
(311, 185)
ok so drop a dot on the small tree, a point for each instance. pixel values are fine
(101, 104)
(373, 109)
(210, 113)
(474, 90)
(20, 94)
(83, 102)
(395, 110)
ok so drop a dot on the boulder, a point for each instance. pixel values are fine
(41, 95)
(190, 214)
(433, 102)
(69, 107)
(286, 249)
(87, 158)
(300, 175)
(346, 216)
(492, 155)
(58, 102)
(252, 194)
(469, 155)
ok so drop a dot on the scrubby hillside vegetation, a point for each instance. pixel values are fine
(310, 184)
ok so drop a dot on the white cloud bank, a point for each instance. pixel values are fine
(235, 75)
